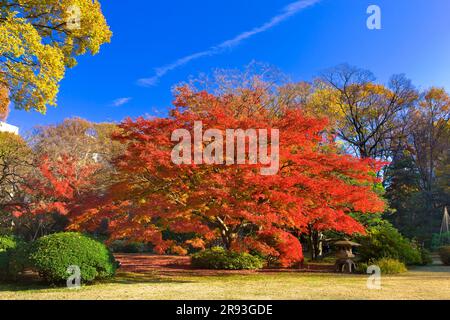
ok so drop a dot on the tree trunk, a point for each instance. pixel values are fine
(226, 242)
(228, 238)
(314, 244)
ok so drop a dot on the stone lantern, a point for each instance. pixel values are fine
(345, 257)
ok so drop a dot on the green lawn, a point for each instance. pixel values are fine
(419, 283)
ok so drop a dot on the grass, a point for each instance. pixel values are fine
(420, 283)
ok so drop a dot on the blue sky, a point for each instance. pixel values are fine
(157, 44)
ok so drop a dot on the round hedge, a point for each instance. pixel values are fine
(221, 259)
(50, 256)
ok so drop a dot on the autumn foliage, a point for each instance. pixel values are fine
(121, 181)
(316, 186)
(280, 248)
(4, 103)
(56, 187)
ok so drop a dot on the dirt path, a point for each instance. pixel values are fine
(176, 265)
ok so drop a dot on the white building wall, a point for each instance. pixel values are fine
(4, 127)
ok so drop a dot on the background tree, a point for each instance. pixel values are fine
(86, 142)
(52, 191)
(268, 85)
(416, 182)
(15, 164)
(64, 163)
(39, 39)
(403, 191)
(430, 133)
(443, 177)
(366, 115)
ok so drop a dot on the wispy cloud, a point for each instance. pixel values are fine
(121, 101)
(287, 12)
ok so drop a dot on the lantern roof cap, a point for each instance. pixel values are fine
(347, 243)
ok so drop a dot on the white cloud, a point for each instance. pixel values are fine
(121, 101)
(287, 12)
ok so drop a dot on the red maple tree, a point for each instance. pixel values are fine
(316, 186)
(55, 187)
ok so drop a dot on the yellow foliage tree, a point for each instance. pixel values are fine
(4, 102)
(430, 134)
(39, 39)
(365, 115)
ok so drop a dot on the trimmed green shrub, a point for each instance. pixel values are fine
(444, 253)
(51, 255)
(384, 241)
(387, 266)
(12, 250)
(221, 259)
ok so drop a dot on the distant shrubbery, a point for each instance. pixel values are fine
(384, 241)
(438, 240)
(444, 253)
(124, 246)
(13, 257)
(386, 265)
(18, 260)
(221, 259)
(426, 257)
(7, 245)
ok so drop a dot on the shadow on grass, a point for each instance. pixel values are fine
(33, 283)
(26, 284)
(431, 269)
